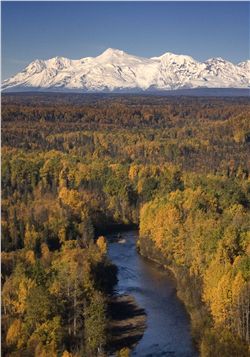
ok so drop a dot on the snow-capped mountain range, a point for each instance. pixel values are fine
(116, 70)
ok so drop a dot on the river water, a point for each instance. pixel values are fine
(154, 288)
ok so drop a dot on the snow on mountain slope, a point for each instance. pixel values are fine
(116, 70)
(246, 68)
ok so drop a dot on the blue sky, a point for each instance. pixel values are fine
(43, 30)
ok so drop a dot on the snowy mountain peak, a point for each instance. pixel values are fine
(58, 62)
(115, 56)
(115, 70)
(58, 59)
(216, 60)
(36, 66)
(168, 56)
(245, 64)
(113, 51)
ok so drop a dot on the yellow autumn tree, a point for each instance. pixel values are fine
(25, 285)
(14, 332)
(102, 244)
(30, 257)
(31, 237)
(67, 354)
(221, 305)
(70, 198)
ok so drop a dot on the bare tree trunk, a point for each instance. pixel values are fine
(247, 313)
(68, 293)
(74, 321)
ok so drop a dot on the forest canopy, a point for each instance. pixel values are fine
(72, 165)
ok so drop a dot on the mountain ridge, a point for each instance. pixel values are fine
(115, 70)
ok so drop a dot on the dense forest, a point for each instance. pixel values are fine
(75, 165)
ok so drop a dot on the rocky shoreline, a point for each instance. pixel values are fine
(127, 322)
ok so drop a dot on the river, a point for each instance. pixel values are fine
(154, 288)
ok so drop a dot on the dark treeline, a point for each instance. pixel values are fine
(199, 134)
(72, 165)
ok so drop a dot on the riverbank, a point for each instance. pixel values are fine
(127, 322)
(196, 310)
